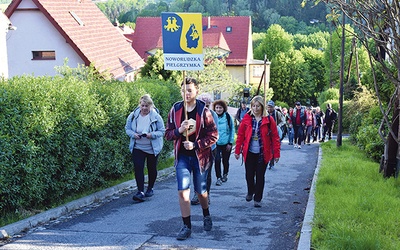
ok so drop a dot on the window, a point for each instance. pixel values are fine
(228, 29)
(43, 55)
(77, 19)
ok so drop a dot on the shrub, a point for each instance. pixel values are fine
(329, 94)
(62, 136)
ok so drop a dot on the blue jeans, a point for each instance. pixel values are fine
(184, 167)
(291, 135)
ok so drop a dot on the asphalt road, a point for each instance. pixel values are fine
(119, 223)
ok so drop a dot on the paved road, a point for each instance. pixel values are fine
(119, 223)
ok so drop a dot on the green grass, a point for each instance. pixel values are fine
(22, 213)
(356, 208)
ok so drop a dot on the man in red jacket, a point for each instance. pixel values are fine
(192, 128)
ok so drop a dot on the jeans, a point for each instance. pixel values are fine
(298, 134)
(184, 167)
(139, 157)
(291, 135)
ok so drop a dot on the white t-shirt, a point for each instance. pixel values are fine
(142, 127)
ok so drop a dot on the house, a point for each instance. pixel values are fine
(5, 26)
(232, 35)
(49, 31)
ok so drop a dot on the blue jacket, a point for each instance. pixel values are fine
(156, 129)
(226, 133)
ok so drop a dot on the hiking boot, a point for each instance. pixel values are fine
(219, 182)
(184, 233)
(140, 197)
(257, 203)
(149, 193)
(207, 223)
(224, 178)
(195, 200)
(249, 197)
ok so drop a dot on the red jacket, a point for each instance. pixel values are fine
(270, 140)
(206, 132)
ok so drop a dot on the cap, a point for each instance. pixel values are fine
(271, 103)
(298, 103)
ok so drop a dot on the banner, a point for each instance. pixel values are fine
(182, 41)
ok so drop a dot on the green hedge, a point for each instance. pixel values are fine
(60, 136)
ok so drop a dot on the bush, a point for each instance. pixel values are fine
(329, 94)
(62, 136)
(368, 138)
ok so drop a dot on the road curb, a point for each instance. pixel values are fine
(51, 214)
(306, 229)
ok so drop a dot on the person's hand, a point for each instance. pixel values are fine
(276, 160)
(188, 145)
(237, 156)
(184, 126)
(137, 136)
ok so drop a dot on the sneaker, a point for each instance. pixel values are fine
(184, 233)
(207, 223)
(219, 182)
(257, 203)
(149, 193)
(295, 145)
(249, 197)
(195, 200)
(224, 178)
(299, 147)
(322, 140)
(139, 197)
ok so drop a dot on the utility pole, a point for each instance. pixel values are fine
(339, 135)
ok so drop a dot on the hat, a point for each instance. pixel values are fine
(298, 103)
(271, 103)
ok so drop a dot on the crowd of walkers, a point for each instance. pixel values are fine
(305, 125)
(203, 133)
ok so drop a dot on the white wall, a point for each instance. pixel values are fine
(3, 45)
(36, 33)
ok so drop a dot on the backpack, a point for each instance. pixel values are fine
(228, 118)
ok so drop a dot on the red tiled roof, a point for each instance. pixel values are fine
(96, 41)
(148, 36)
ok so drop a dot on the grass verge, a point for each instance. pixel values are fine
(8, 218)
(356, 208)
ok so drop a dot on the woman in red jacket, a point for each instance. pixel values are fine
(258, 141)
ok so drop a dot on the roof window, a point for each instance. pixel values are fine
(77, 19)
(229, 29)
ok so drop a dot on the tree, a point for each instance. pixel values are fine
(276, 40)
(215, 78)
(377, 24)
(154, 69)
(314, 60)
(288, 78)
